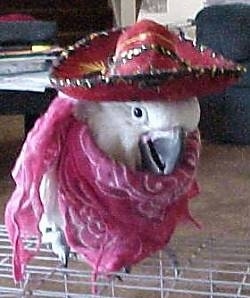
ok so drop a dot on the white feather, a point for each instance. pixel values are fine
(117, 131)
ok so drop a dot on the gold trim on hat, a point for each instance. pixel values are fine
(92, 67)
(143, 36)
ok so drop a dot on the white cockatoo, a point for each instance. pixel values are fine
(107, 172)
(144, 136)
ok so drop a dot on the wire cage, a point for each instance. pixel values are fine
(207, 268)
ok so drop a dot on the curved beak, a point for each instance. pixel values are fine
(161, 151)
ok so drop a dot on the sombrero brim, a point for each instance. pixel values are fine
(83, 72)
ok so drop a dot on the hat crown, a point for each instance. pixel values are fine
(145, 47)
(145, 32)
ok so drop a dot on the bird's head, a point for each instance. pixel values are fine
(143, 135)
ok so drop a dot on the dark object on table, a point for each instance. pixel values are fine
(30, 104)
(74, 19)
(27, 32)
(225, 117)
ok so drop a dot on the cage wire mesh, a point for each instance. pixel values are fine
(207, 268)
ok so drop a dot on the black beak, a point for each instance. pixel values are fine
(161, 151)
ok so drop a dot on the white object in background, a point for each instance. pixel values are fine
(36, 81)
(124, 12)
(170, 11)
(222, 2)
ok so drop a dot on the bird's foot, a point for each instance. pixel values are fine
(174, 261)
(55, 238)
(126, 270)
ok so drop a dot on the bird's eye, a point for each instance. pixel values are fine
(139, 113)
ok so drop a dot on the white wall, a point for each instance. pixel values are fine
(178, 11)
(181, 10)
(219, 2)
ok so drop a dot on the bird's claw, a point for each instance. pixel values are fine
(126, 270)
(55, 239)
(174, 261)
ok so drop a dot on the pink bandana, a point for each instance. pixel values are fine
(113, 217)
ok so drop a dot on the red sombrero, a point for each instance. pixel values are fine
(144, 61)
